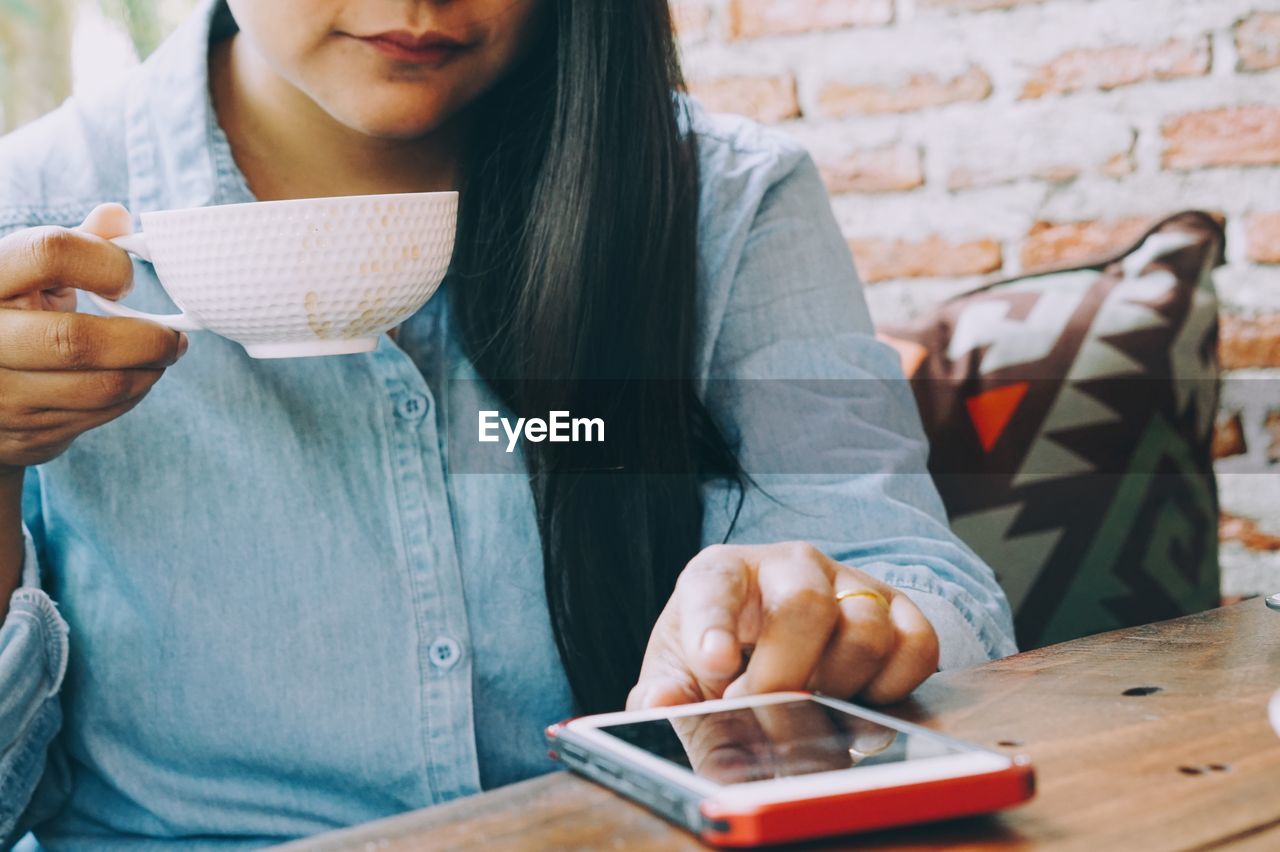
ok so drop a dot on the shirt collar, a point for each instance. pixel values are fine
(177, 154)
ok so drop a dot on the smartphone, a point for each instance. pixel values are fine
(787, 766)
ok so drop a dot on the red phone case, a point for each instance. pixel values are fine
(870, 809)
(806, 819)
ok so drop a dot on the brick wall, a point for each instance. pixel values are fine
(961, 138)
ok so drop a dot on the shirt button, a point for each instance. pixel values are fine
(445, 652)
(412, 406)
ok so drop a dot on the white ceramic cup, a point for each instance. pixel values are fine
(286, 279)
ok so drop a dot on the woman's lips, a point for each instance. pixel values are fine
(427, 49)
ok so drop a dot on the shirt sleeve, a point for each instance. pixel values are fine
(826, 427)
(33, 662)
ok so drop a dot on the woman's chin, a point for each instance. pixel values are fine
(394, 122)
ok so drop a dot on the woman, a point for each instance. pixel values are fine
(295, 598)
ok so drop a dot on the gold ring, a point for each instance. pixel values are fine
(862, 593)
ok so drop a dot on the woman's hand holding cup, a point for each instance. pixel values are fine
(63, 373)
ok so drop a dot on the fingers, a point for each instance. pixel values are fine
(64, 373)
(44, 258)
(665, 679)
(914, 657)
(863, 639)
(27, 448)
(780, 601)
(43, 399)
(73, 426)
(43, 340)
(713, 592)
(799, 615)
(662, 691)
(45, 266)
(107, 221)
(52, 299)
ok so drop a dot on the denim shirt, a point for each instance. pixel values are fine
(288, 601)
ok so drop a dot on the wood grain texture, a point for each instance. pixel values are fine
(1115, 771)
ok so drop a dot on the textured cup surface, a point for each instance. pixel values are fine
(306, 276)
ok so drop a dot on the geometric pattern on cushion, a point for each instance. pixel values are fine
(1070, 417)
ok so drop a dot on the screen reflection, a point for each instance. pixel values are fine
(775, 741)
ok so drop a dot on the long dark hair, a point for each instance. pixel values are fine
(577, 268)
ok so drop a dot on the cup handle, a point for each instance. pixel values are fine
(136, 244)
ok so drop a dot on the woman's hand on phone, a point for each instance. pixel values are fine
(765, 618)
(64, 373)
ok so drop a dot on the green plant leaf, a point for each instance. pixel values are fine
(141, 19)
(21, 8)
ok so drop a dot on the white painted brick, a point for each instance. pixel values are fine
(1224, 53)
(1010, 140)
(1231, 190)
(1252, 393)
(1001, 212)
(1029, 141)
(1244, 288)
(1248, 572)
(1253, 495)
(830, 139)
(899, 302)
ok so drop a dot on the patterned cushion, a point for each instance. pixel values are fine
(1070, 417)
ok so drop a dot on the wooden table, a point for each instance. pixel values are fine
(1193, 764)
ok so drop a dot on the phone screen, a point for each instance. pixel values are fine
(776, 741)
